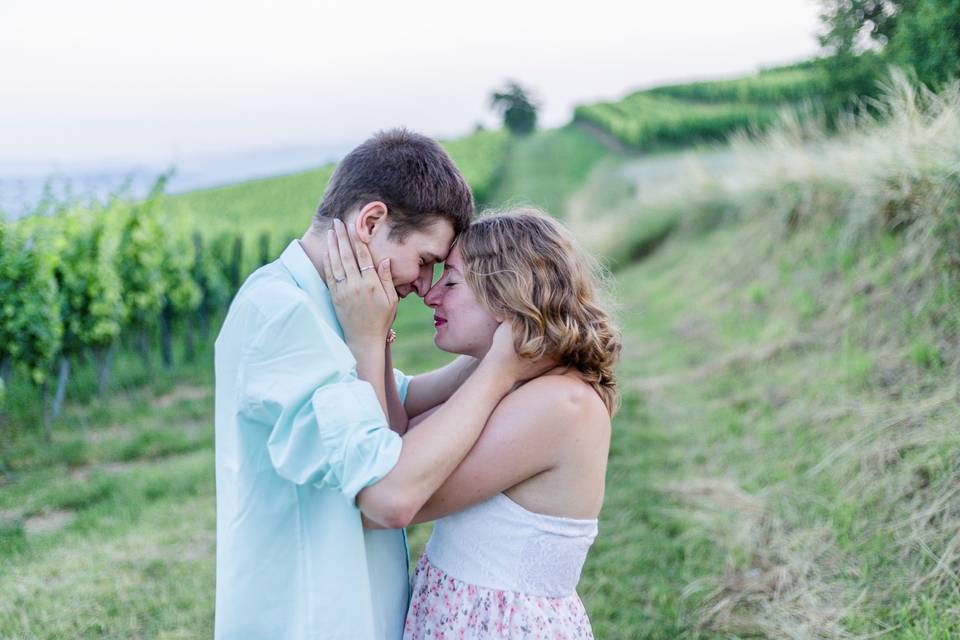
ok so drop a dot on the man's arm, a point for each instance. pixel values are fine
(430, 389)
(326, 426)
(433, 450)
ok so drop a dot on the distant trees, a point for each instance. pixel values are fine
(855, 26)
(518, 108)
(855, 31)
(864, 36)
(927, 38)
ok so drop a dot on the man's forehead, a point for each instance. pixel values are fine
(437, 253)
(442, 250)
(439, 240)
(447, 264)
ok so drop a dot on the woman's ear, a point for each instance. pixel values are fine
(371, 220)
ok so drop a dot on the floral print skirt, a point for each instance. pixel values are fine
(444, 608)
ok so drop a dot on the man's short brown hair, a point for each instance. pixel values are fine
(408, 172)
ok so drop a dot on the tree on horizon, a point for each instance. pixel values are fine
(517, 107)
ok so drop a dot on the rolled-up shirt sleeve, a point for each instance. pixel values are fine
(403, 384)
(327, 427)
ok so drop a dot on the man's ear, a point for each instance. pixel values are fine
(371, 219)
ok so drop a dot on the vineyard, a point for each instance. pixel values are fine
(78, 284)
(674, 115)
(84, 281)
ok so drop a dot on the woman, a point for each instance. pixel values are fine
(515, 520)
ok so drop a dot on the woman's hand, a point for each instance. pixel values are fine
(363, 294)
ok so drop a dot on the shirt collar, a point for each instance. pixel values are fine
(295, 260)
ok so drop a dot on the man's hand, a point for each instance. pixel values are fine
(504, 357)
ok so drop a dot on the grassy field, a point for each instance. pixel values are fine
(545, 169)
(786, 463)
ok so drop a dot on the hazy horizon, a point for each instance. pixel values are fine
(108, 82)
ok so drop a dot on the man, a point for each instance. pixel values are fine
(303, 444)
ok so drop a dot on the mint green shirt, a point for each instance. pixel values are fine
(298, 435)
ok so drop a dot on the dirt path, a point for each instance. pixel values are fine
(611, 142)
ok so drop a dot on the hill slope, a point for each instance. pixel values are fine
(786, 463)
(791, 436)
(683, 114)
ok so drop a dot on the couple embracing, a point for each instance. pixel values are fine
(324, 452)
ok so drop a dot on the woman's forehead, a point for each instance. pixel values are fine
(454, 259)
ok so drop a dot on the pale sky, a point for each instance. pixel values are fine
(115, 81)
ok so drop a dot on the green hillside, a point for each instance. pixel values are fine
(283, 205)
(786, 460)
(546, 168)
(793, 342)
(675, 115)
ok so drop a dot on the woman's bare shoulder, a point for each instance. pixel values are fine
(563, 397)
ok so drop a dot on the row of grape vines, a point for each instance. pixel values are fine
(74, 284)
(676, 115)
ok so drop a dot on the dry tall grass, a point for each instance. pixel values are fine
(886, 189)
(892, 167)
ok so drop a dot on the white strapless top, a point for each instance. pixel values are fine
(497, 544)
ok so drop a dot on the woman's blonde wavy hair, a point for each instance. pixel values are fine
(524, 266)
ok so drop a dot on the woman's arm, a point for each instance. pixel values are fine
(415, 420)
(428, 390)
(411, 423)
(396, 414)
(365, 304)
(526, 435)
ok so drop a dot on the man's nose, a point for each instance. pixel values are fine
(422, 284)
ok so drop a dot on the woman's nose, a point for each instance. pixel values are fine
(432, 299)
